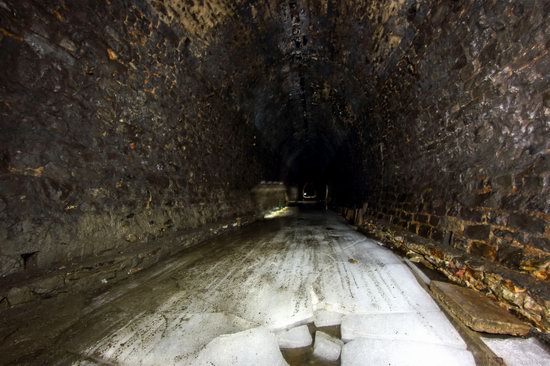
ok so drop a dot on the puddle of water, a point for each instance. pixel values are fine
(304, 356)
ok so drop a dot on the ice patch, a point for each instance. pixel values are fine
(519, 351)
(364, 351)
(375, 256)
(327, 347)
(430, 327)
(163, 338)
(372, 290)
(326, 318)
(249, 348)
(295, 338)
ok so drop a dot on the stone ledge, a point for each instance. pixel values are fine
(477, 311)
(518, 292)
(100, 272)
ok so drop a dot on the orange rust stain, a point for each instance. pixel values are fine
(11, 35)
(112, 55)
(35, 172)
(38, 172)
(58, 16)
(541, 274)
(152, 91)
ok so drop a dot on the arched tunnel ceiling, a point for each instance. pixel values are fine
(289, 66)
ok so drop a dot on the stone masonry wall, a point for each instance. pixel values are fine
(459, 145)
(112, 131)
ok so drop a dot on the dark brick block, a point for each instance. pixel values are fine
(422, 218)
(478, 232)
(528, 223)
(439, 210)
(540, 243)
(505, 234)
(509, 255)
(437, 235)
(424, 231)
(434, 220)
(482, 249)
(504, 182)
(409, 206)
(471, 215)
(532, 183)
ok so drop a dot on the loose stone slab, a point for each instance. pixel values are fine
(366, 351)
(327, 347)
(295, 338)
(477, 311)
(430, 327)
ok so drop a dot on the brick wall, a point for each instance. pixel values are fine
(458, 145)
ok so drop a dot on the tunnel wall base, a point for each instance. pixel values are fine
(517, 291)
(100, 272)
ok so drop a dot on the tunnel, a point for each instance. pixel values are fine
(274, 182)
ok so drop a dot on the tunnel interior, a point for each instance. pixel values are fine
(128, 123)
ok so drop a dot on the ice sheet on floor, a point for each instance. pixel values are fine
(164, 338)
(275, 281)
(365, 351)
(372, 257)
(352, 288)
(296, 337)
(430, 327)
(252, 347)
(267, 287)
(519, 351)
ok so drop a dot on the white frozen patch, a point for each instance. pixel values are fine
(375, 256)
(252, 347)
(519, 351)
(325, 318)
(327, 347)
(163, 338)
(364, 351)
(295, 337)
(372, 290)
(430, 327)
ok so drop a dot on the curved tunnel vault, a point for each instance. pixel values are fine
(128, 122)
(305, 106)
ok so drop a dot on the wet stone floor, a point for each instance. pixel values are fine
(306, 289)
